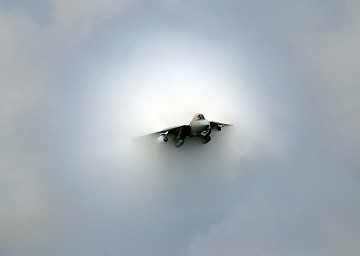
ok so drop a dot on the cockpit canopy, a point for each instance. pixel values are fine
(198, 116)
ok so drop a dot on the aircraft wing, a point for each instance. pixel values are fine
(171, 130)
(177, 133)
(218, 125)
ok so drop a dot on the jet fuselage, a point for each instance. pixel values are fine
(199, 127)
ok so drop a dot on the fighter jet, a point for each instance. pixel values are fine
(198, 127)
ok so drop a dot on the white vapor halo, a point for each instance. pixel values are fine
(171, 76)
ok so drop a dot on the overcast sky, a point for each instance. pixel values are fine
(79, 80)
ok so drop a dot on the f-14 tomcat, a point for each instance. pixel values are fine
(198, 127)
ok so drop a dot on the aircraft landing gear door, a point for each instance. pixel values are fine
(181, 135)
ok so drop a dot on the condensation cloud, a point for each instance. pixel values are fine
(80, 84)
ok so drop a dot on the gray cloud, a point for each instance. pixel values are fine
(82, 83)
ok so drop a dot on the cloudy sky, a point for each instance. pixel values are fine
(79, 80)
